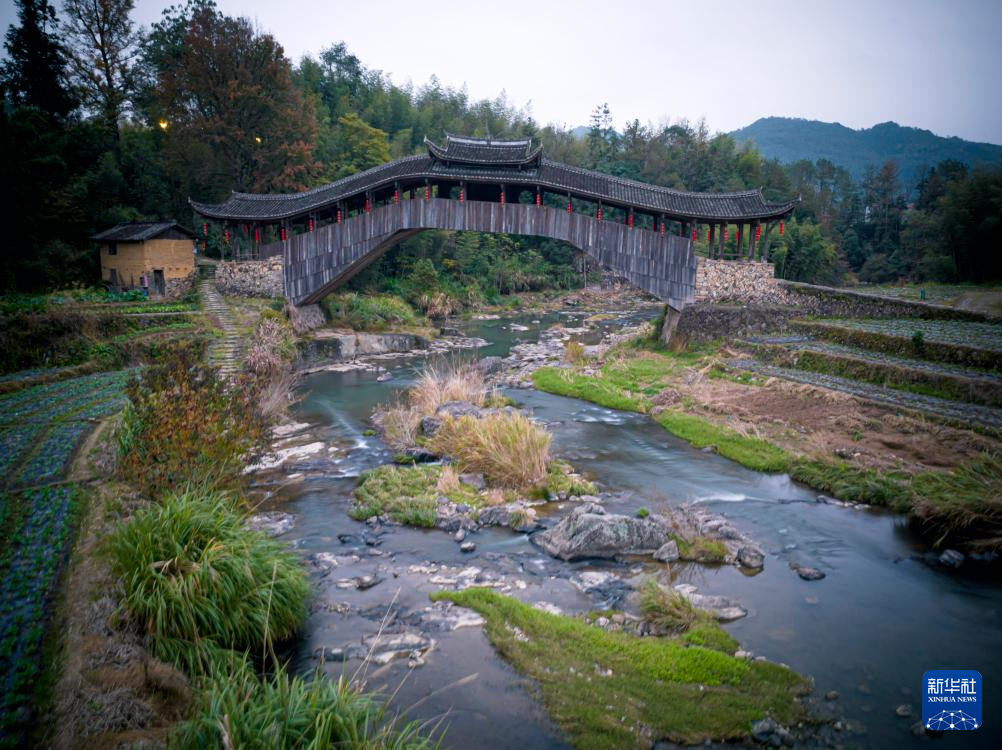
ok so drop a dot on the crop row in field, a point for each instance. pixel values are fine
(955, 332)
(36, 533)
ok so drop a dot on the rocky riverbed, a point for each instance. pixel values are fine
(372, 579)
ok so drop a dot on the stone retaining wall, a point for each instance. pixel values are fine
(742, 282)
(251, 278)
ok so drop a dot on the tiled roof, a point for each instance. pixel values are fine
(460, 150)
(550, 175)
(137, 231)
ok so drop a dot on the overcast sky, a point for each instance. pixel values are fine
(926, 63)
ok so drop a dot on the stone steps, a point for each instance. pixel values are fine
(225, 352)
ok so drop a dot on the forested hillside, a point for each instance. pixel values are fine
(204, 103)
(790, 139)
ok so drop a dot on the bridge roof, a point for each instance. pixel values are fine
(510, 162)
(461, 150)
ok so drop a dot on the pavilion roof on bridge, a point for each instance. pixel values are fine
(514, 163)
(484, 151)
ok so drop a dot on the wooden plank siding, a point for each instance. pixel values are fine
(320, 261)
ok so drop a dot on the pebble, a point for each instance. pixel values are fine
(832, 695)
(460, 535)
(467, 547)
(904, 711)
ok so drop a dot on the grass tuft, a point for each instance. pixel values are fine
(409, 495)
(236, 708)
(510, 450)
(197, 580)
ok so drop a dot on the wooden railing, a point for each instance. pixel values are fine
(318, 262)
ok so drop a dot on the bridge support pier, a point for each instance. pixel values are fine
(672, 317)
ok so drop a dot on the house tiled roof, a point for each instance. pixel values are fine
(510, 162)
(137, 231)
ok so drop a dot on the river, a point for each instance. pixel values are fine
(869, 630)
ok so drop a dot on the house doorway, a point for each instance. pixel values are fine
(159, 286)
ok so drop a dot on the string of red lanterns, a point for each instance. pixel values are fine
(780, 229)
(662, 229)
(758, 232)
(502, 197)
(570, 208)
(396, 196)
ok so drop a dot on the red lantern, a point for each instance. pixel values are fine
(368, 206)
(427, 193)
(339, 216)
(309, 224)
(257, 234)
(226, 236)
(694, 234)
(570, 208)
(662, 229)
(462, 195)
(725, 234)
(758, 232)
(243, 228)
(780, 229)
(205, 230)
(599, 215)
(539, 199)
(396, 196)
(707, 234)
(630, 220)
(281, 233)
(502, 197)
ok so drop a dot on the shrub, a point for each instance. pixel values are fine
(510, 450)
(198, 581)
(272, 347)
(369, 312)
(237, 709)
(643, 513)
(182, 426)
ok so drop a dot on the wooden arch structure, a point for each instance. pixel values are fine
(642, 232)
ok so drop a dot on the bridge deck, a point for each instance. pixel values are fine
(320, 261)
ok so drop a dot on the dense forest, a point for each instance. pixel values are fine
(105, 122)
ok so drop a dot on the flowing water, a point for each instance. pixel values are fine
(881, 618)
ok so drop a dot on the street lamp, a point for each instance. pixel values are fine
(163, 124)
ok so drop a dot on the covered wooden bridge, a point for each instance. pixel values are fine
(642, 232)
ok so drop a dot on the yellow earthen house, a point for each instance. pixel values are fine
(158, 256)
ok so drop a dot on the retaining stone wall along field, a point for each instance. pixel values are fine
(252, 278)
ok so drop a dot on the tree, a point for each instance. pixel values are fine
(233, 119)
(103, 45)
(34, 74)
(352, 147)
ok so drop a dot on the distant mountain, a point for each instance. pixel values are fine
(790, 139)
(581, 131)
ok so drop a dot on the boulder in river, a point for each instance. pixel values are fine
(951, 558)
(456, 409)
(750, 557)
(723, 608)
(807, 573)
(489, 365)
(430, 425)
(589, 531)
(667, 552)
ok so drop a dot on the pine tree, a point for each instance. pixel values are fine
(34, 73)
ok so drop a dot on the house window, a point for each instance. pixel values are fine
(112, 248)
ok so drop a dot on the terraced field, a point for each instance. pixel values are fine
(40, 428)
(985, 336)
(938, 368)
(951, 410)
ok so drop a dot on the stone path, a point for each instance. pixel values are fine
(954, 410)
(225, 352)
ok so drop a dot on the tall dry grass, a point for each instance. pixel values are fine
(510, 450)
(452, 380)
